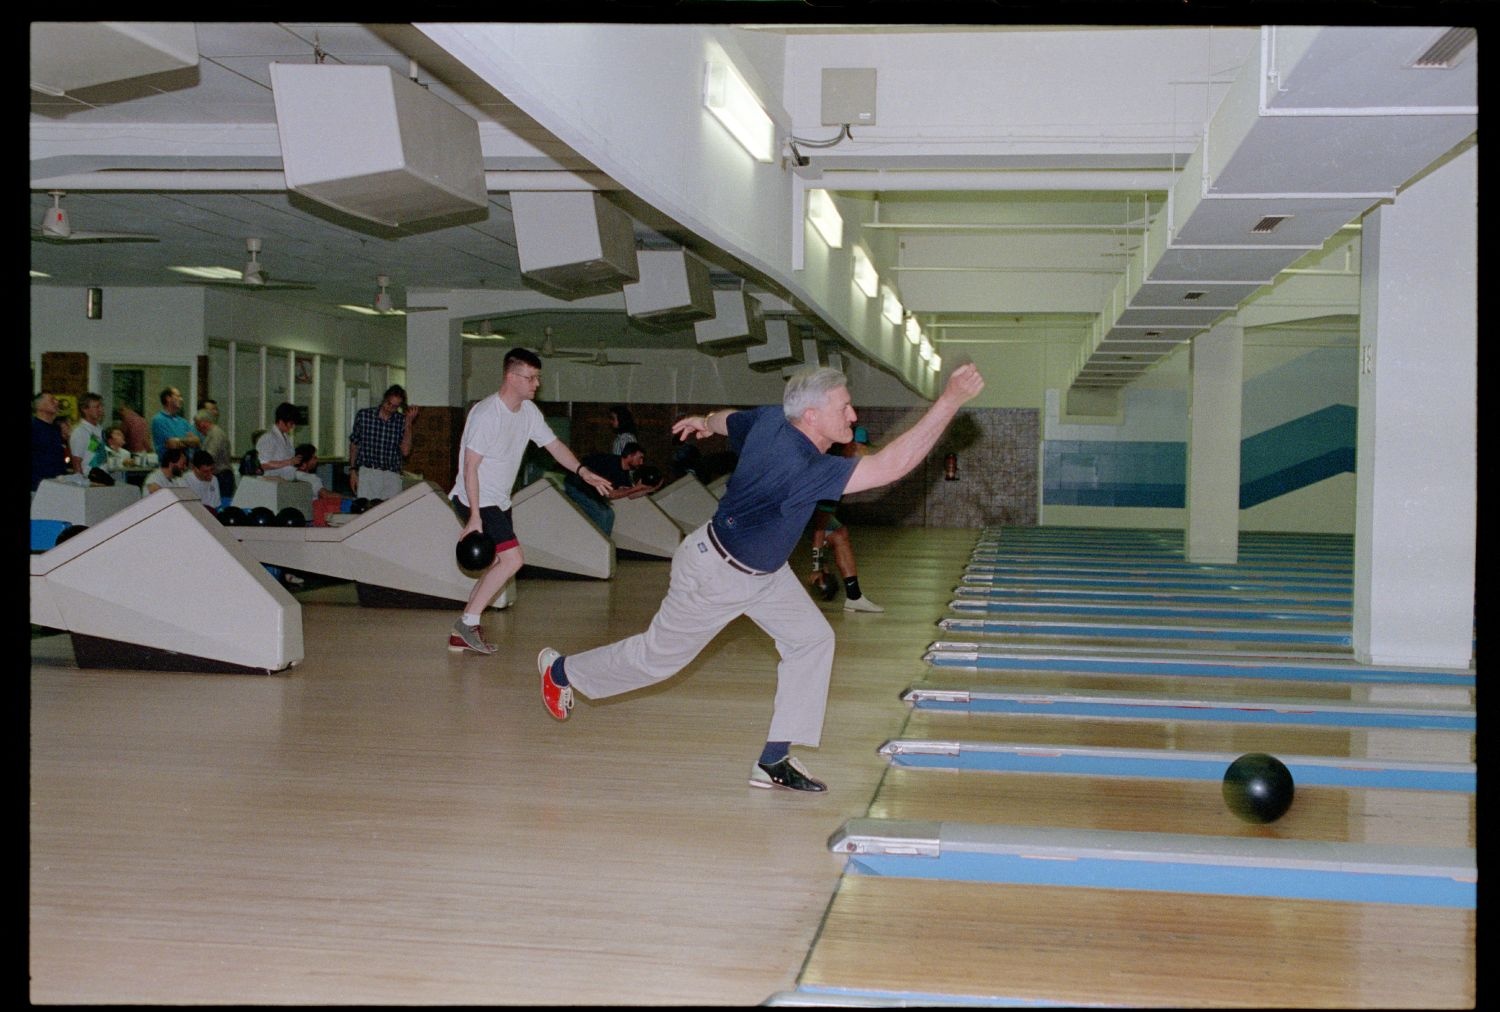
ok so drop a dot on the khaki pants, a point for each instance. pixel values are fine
(705, 595)
(375, 484)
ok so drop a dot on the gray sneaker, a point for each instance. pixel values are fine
(469, 637)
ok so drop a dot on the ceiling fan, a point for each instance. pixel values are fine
(252, 275)
(56, 227)
(600, 358)
(384, 304)
(549, 350)
(484, 330)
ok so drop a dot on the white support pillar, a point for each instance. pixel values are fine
(1416, 511)
(234, 394)
(1216, 363)
(315, 405)
(341, 419)
(434, 360)
(265, 365)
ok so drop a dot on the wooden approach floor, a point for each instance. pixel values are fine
(388, 823)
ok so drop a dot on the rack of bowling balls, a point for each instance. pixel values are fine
(290, 516)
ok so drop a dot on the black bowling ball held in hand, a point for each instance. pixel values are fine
(648, 475)
(1258, 788)
(475, 551)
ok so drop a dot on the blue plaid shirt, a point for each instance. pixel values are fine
(378, 439)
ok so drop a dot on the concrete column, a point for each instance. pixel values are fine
(435, 383)
(1217, 363)
(1415, 489)
(434, 360)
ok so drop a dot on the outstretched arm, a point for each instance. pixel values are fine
(565, 457)
(715, 423)
(907, 450)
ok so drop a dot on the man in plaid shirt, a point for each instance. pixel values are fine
(380, 440)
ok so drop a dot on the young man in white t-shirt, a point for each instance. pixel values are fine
(494, 440)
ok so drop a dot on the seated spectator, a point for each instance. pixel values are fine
(116, 457)
(308, 471)
(200, 478)
(278, 457)
(174, 463)
(616, 468)
(49, 453)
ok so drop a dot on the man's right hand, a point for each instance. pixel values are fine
(965, 384)
(354, 481)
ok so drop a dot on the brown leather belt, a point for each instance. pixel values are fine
(734, 563)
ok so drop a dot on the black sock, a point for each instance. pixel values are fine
(851, 588)
(774, 752)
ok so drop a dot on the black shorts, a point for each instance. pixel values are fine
(493, 520)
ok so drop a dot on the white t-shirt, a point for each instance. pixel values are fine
(162, 480)
(85, 432)
(276, 445)
(499, 435)
(208, 490)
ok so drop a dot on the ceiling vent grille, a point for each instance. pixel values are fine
(1268, 224)
(1446, 49)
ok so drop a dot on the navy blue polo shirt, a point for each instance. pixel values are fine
(780, 477)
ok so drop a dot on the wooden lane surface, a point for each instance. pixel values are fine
(1196, 736)
(1080, 946)
(391, 823)
(1132, 804)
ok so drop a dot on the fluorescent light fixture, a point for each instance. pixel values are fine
(367, 311)
(211, 273)
(39, 274)
(733, 103)
(935, 363)
(890, 306)
(913, 330)
(864, 273)
(825, 217)
(925, 350)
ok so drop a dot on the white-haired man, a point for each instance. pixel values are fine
(736, 563)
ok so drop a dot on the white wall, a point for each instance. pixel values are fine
(142, 326)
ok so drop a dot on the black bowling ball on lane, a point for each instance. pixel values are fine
(1258, 788)
(475, 551)
(291, 516)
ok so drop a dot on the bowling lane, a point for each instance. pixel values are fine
(997, 943)
(1340, 815)
(1193, 736)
